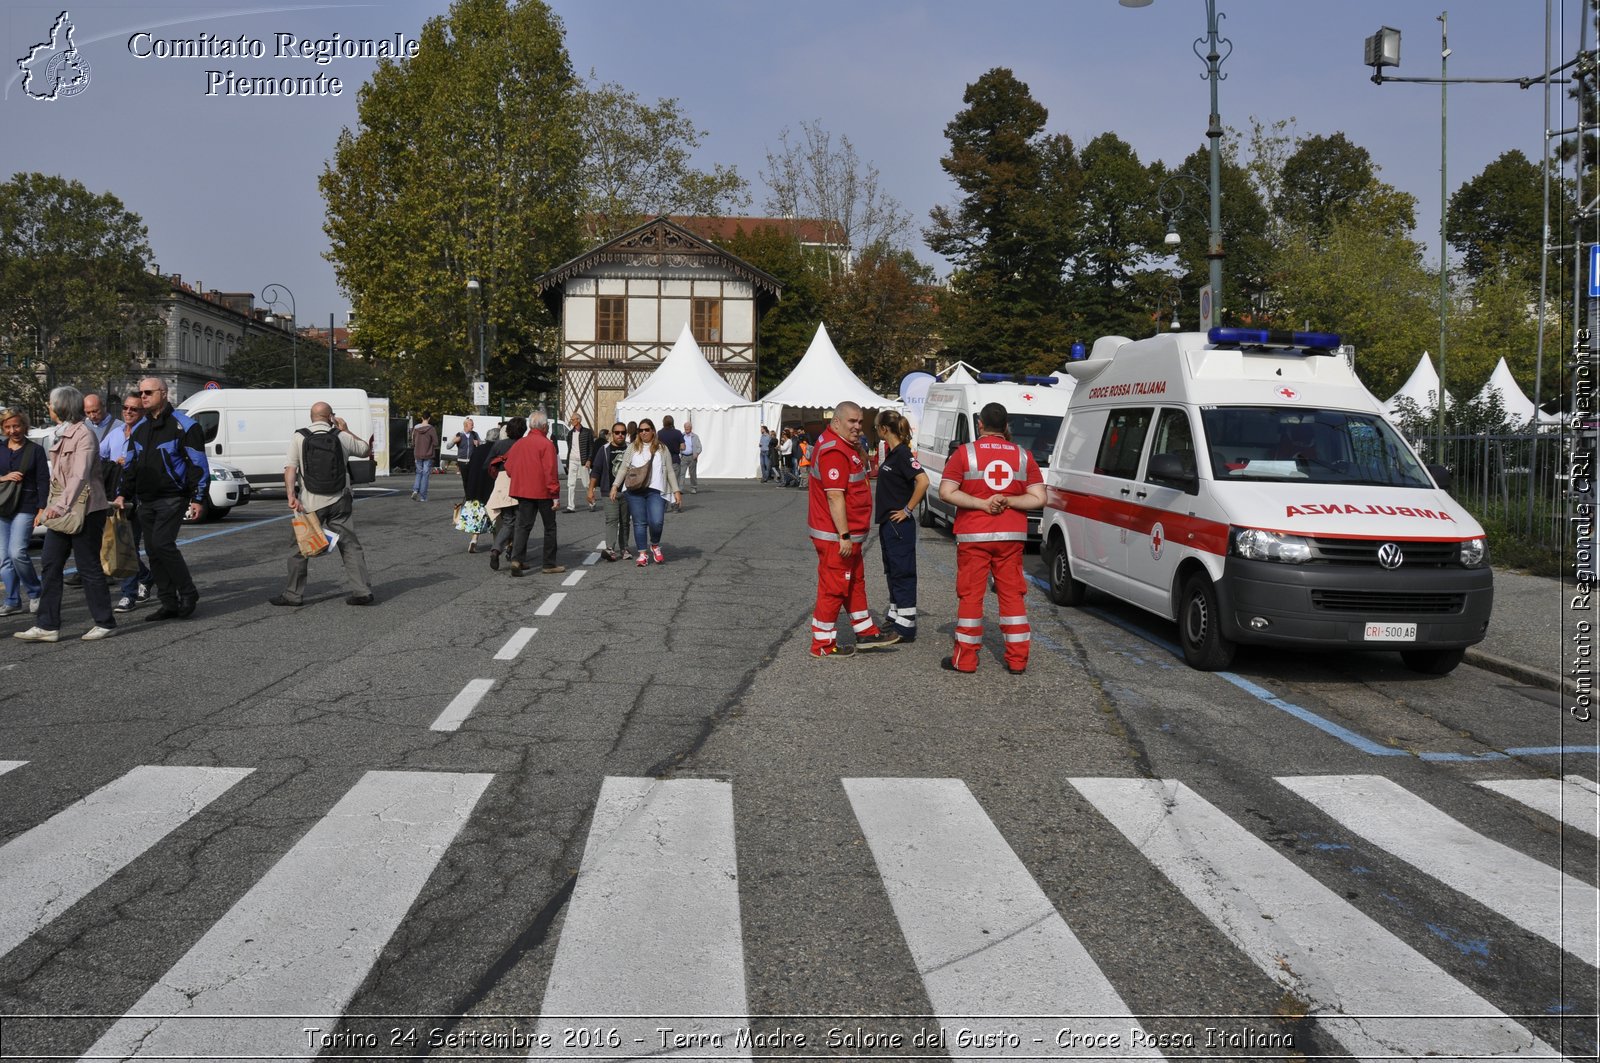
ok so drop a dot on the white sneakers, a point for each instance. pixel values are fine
(37, 634)
(97, 633)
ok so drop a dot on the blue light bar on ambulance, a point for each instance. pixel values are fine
(1239, 337)
(1017, 378)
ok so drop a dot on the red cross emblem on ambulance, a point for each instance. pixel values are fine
(998, 475)
(1157, 538)
(1287, 393)
(1027, 396)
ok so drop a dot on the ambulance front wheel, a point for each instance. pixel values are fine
(1064, 590)
(1433, 662)
(1200, 627)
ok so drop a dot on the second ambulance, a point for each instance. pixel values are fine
(1246, 485)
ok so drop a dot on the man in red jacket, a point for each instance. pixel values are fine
(991, 482)
(840, 517)
(536, 485)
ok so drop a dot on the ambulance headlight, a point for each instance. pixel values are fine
(1473, 552)
(1259, 545)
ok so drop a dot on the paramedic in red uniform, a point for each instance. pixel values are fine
(840, 519)
(990, 482)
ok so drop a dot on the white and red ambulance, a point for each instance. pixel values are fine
(1246, 485)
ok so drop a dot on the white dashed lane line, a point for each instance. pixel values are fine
(572, 580)
(549, 606)
(462, 704)
(516, 643)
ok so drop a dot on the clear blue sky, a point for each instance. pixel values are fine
(228, 188)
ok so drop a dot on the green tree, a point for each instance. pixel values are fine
(1247, 239)
(465, 164)
(1113, 289)
(636, 164)
(1005, 234)
(76, 294)
(880, 315)
(1364, 279)
(1321, 178)
(811, 177)
(1498, 318)
(1497, 217)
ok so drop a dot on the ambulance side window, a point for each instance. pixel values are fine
(1122, 442)
(1173, 437)
(963, 434)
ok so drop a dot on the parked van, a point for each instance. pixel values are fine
(1037, 405)
(250, 427)
(1245, 484)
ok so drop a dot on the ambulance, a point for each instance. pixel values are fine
(1244, 484)
(1037, 405)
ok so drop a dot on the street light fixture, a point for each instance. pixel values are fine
(294, 345)
(1213, 60)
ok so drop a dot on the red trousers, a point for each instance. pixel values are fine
(841, 584)
(975, 563)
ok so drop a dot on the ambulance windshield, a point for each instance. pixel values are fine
(1035, 433)
(1319, 446)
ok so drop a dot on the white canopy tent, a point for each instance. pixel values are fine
(1421, 387)
(819, 382)
(1519, 408)
(686, 386)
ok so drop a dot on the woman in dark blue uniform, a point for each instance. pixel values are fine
(901, 485)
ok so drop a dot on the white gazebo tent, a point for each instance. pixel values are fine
(1519, 408)
(818, 383)
(1421, 387)
(686, 386)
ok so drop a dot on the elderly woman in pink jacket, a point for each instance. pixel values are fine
(74, 470)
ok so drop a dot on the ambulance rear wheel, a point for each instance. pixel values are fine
(925, 513)
(1433, 662)
(1200, 627)
(1064, 590)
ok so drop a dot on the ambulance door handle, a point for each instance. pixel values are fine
(1124, 491)
(1142, 494)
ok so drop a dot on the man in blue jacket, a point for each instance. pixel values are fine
(167, 472)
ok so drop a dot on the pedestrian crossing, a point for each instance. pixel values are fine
(652, 936)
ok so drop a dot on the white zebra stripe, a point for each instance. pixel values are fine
(652, 928)
(1360, 980)
(1573, 801)
(10, 765)
(986, 940)
(1554, 905)
(48, 869)
(295, 948)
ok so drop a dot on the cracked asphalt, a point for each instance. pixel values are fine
(697, 669)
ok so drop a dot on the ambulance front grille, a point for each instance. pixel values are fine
(1365, 551)
(1387, 602)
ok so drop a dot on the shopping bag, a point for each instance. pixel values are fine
(308, 533)
(118, 556)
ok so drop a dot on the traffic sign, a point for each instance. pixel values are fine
(480, 393)
(212, 385)
(1205, 309)
(1594, 271)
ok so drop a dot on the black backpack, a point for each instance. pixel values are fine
(322, 465)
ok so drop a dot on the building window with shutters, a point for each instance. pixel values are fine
(611, 319)
(706, 321)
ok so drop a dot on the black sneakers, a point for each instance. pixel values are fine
(881, 640)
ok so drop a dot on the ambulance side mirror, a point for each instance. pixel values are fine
(1168, 469)
(1441, 476)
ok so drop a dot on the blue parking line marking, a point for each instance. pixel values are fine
(1327, 726)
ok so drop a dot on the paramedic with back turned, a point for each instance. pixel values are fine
(168, 473)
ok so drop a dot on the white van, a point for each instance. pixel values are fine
(451, 425)
(1245, 484)
(1036, 405)
(250, 427)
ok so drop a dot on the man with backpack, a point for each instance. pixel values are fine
(318, 460)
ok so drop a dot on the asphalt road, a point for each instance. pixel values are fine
(659, 828)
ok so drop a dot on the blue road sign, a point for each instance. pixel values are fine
(1594, 271)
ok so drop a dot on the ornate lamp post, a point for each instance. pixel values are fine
(1213, 60)
(477, 290)
(294, 346)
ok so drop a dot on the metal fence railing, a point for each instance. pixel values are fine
(1520, 483)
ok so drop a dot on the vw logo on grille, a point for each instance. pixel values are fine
(1390, 555)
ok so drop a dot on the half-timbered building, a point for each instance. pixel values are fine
(622, 305)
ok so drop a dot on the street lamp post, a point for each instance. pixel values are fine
(1169, 212)
(294, 346)
(1213, 60)
(477, 289)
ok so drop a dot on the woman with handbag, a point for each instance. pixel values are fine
(646, 481)
(74, 517)
(24, 478)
